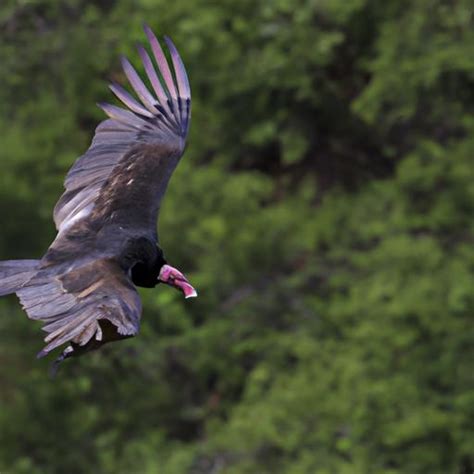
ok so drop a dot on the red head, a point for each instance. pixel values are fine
(173, 277)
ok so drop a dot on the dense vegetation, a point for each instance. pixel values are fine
(324, 210)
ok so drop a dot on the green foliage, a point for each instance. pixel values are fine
(323, 210)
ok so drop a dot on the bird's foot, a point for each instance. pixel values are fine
(55, 365)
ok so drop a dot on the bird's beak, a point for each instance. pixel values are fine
(173, 277)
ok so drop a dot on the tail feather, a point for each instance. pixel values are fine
(15, 273)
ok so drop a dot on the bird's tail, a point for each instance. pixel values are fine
(15, 273)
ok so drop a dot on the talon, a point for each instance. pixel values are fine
(56, 363)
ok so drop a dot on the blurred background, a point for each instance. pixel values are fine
(323, 210)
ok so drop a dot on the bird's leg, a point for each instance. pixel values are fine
(64, 355)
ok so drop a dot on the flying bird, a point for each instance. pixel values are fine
(84, 288)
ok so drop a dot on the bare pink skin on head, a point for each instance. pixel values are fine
(173, 277)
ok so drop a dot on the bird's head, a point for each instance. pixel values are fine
(173, 277)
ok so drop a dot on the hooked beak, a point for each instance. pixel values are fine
(173, 277)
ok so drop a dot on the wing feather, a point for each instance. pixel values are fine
(180, 71)
(162, 62)
(73, 303)
(152, 76)
(159, 120)
(129, 101)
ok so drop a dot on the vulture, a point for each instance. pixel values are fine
(84, 288)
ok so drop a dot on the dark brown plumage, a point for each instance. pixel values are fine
(83, 289)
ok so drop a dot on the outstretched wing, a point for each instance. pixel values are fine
(155, 124)
(72, 305)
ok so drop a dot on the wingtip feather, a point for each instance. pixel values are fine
(152, 76)
(172, 90)
(162, 62)
(138, 86)
(179, 69)
(128, 100)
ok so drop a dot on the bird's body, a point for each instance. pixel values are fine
(83, 288)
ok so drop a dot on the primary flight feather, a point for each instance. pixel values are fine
(83, 289)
